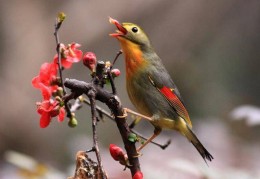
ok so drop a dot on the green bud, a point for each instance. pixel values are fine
(132, 137)
(61, 102)
(57, 98)
(60, 91)
(61, 17)
(73, 122)
(142, 142)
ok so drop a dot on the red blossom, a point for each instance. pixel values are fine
(48, 109)
(69, 55)
(90, 60)
(138, 175)
(45, 79)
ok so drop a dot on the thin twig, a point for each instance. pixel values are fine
(92, 95)
(117, 55)
(100, 109)
(57, 27)
(111, 81)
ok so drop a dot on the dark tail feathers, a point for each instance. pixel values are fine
(197, 144)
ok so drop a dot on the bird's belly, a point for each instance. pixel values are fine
(139, 100)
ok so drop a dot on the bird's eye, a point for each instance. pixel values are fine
(135, 29)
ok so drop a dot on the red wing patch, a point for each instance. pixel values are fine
(175, 102)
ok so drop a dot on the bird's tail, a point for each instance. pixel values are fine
(197, 144)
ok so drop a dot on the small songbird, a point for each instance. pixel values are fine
(150, 87)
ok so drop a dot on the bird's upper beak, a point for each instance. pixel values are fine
(121, 30)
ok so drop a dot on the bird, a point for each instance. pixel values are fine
(150, 87)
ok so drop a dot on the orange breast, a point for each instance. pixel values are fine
(133, 57)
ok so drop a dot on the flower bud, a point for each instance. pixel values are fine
(116, 152)
(59, 93)
(90, 60)
(73, 122)
(118, 155)
(138, 175)
(61, 17)
(115, 72)
(132, 137)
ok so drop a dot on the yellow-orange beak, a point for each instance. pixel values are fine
(121, 30)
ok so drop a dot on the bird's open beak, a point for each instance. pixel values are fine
(121, 30)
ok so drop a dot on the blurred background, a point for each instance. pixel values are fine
(211, 49)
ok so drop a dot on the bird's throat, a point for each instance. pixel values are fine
(133, 57)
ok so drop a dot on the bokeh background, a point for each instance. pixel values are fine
(211, 49)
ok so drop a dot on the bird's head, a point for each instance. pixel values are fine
(130, 32)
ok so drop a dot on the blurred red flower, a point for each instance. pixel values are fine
(48, 109)
(45, 80)
(138, 175)
(115, 72)
(69, 55)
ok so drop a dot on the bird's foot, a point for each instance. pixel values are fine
(138, 114)
(124, 113)
(139, 154)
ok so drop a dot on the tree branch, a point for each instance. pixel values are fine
(91, 94)
(113, 102)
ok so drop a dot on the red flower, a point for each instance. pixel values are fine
(90, 60)
(45, 79)
(48, 109)
(138, 175)
(69, 55)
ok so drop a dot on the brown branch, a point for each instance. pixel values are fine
(117, 55)
(112, 101)
(92, 94)
(109, 75)
(57, 27)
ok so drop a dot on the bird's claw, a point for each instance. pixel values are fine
(124, 114)
(166, 145)
(138, 155)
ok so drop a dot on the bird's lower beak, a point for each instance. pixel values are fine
(121, 30)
